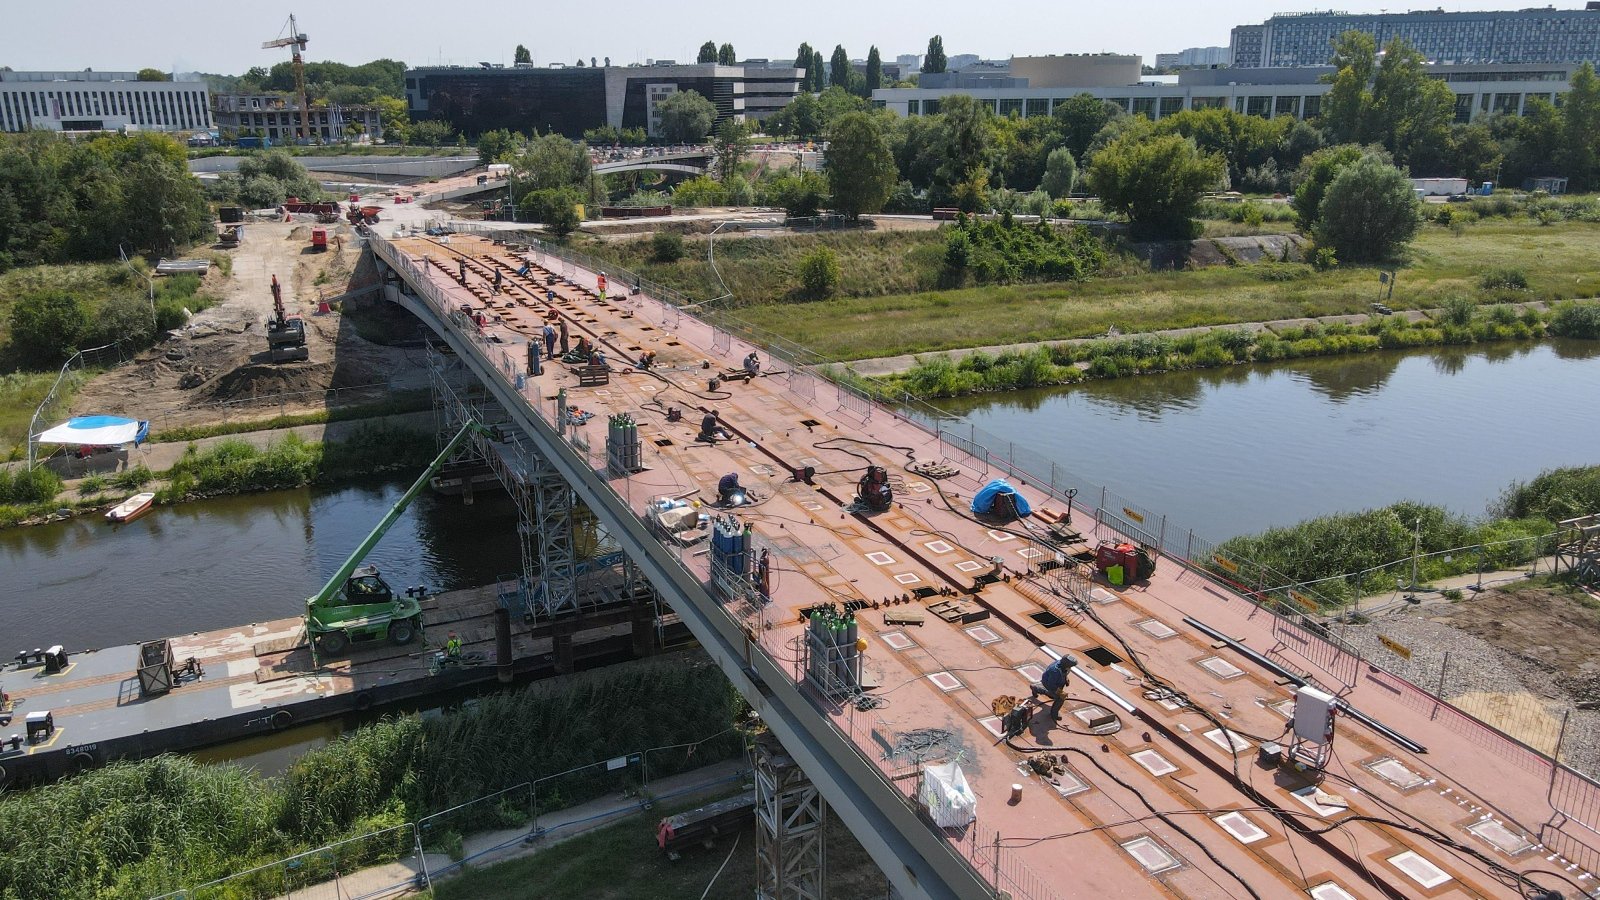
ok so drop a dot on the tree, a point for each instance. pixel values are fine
(708, 52)
(726, 56)
(522, 56)
(1080, 119)
(819, 77)
(1580, 129)
(1344, 107)
(495, 146)
(839, 67)
(819, 273)
(730, 141)
(550, 162)
(46, 326)
(835, 102)
(1060, 173)
(1370, 211)
(557, 208)
(1316, 172)
(1156, 181)
(801, 194)
(430, 133)
(152, 75)
(861, 171)
(934, 61)
(163, 206)
(802, 60)
(1474, 153)
(686, 117)
(1411, 111)
(874, 70)
(394, 118)
(802, 118)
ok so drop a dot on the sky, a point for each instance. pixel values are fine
(225, 37)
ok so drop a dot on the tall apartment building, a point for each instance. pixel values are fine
(571, 100)
(100, 101)
(1547, 35)
(277, 117)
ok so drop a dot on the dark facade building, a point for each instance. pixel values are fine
(571, 100)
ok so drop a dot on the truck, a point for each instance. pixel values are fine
(357, 606)
(1439, 187)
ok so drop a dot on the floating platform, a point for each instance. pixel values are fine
(258, 678)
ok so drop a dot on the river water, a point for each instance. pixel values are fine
(214, 563)
(1235, 450)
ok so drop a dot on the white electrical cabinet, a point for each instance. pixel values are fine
(1313, 715)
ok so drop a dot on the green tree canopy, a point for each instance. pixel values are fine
(1156, 180)
(498, 145)
(839, 67)
(819, 78)
(1060, 173)
(430, 133)
(934, 61)
(1080, 119)
(1411, 111)
(550, 162)
(1344, 107)
(731, 142)
(799, 193)
(686, 116)
(1369, 213)
(802, 60)
(521, 55)
(708, 52)
(1311, 181)
(46, 326)
(802, 118)
(861, 171)
(874, 69)
(1580, 130)
(152, 75)
(726, 56)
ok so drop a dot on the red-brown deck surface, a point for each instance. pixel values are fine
(1054, 841)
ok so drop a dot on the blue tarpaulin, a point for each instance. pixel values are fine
(983, 501)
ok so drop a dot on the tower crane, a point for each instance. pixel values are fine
(296, 42)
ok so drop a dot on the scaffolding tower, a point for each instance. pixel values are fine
(554, 580)
(1578, 548)
(791, 817)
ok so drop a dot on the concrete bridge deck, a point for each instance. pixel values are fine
(1173, 802)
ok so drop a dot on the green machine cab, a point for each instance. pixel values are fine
(356, 605)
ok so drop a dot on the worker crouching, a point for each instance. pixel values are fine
(1052, 684)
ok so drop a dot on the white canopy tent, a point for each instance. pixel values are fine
(96, 431)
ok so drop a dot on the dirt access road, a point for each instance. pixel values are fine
(216, 365)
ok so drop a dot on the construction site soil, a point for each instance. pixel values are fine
(216, 367)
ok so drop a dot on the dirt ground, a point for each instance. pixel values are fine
(1549, 627)
(198, 373)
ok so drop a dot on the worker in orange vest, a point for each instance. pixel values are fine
(602, 283)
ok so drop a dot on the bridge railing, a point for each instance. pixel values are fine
(1301, 614)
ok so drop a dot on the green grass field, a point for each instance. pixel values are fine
(1561, 261)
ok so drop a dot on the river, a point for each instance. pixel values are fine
(1235, 450)
(214, 563)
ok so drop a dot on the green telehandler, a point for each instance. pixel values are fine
(356, 605)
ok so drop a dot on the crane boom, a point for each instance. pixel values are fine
(296, 41)
(337, 581)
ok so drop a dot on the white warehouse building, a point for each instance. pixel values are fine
(100, 101)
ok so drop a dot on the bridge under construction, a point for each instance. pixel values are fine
(888, 629)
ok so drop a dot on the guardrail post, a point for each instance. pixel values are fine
(1161, 540)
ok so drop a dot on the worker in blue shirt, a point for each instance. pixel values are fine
(1053, 684)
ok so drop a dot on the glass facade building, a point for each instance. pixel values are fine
(1547, 35)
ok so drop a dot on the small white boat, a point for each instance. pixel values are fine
(131, 508)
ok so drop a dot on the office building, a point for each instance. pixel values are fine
(277, 117)
(571, 100)
(1480, 90)
(100, 101)
(909, 63)
(1545, 35)
(1193, 58)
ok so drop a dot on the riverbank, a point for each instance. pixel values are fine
(271, 459)
(169, 822)
(959, 373)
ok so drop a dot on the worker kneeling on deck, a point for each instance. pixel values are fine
(647, 360)
(1053, 684)
(711, 429)
(729, 491)
(752, 365)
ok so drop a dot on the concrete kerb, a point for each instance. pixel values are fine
(895, 365)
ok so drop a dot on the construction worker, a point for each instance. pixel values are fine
(452, 646)
(564, 347)
(647, 360)
(727, 487)
(752, 365)
(498, 275)
(598, 358)
(601, 281)
(1052, 684)
(549, 340)
(462, 266)
(711, 429)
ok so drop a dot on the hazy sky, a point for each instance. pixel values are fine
(225, 35)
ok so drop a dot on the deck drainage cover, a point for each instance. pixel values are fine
(1500, 837)
(1419, 869)
(1220, 667)
(1153, 857)
(1395, 772)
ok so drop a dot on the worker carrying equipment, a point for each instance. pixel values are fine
(873, 490)
(729, 491)
(1052, 685)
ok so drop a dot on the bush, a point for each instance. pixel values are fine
(1458, 311)
(819, 273)
(46, 327)
(1576, 320)
(1554, 495)
(666, 246)
(1002, 251)
(700, 191)
(1504, 279)
(1324, 259)
(1369, 212)
(24, 486)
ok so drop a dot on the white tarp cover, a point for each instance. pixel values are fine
(946, 795)
(98, 431)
